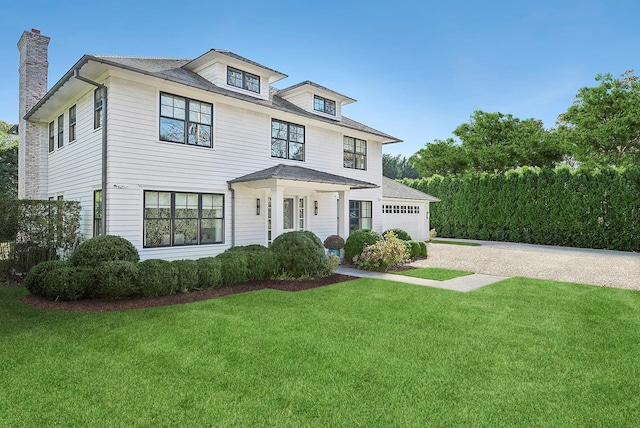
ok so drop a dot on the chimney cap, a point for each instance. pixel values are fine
(35, 31)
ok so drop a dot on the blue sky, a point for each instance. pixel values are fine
(417, 68)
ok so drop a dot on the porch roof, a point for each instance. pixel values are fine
(298, 173)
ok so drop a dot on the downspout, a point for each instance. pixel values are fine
(103, 208)
(233, 215)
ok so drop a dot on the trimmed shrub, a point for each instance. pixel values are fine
(334, 242)
(384, 254)
(250, 248)
(35, 279)
(262, 265)
(423, 248)
(415, 250)
(187, 276)
(157, 278)
(67, 283)
(400, 233)
(209, 273)
(115, 278)
(358, 240)
(234, 267)
(104, 248)
(299, 254)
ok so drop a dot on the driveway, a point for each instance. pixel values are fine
(585, 266)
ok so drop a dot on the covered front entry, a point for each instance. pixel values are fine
(295, 198)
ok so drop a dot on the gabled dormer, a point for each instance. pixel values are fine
(316, 99)
(235, 73)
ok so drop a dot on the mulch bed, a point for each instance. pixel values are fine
(106, 305)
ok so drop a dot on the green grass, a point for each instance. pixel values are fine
(468, 244)
(437, 274)
(365, 353)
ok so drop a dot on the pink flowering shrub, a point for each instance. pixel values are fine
(384, 254)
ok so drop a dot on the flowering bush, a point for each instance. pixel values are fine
(384, 254)
(334, 242)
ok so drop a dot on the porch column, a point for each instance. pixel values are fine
(277, 211)
(343, 213)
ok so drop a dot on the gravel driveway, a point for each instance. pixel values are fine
(585, 266)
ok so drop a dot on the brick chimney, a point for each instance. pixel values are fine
(32, 149)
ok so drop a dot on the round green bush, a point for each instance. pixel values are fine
(209, 273)
(358, 240)
(35, 279)
(157, 278)
(262, 265)
(104, 248)
(401, 234)
(234, 266)
(115, 279)
(423, 248)
(299, 254)
(414, 250)
(67, 283)
(187, 276)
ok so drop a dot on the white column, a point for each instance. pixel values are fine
(343, 213)
(277, 215)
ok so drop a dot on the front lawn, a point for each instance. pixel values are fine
(368, 353)
(437, 274)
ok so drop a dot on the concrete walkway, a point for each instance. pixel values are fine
(462, 283)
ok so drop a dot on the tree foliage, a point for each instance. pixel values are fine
(8, 163)
(398, 167)
(603, 124)
(444, 157)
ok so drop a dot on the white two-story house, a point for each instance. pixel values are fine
(188, 157)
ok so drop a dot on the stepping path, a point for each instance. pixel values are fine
(461, 283)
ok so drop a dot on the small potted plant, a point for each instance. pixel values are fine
(334, 243)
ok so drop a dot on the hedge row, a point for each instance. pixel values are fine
(108, 267)
(588, 209)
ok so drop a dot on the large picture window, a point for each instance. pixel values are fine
(355, 153)
(287, 140)
(177, 218)
(360, 215)
(185, 121)
(242, 79)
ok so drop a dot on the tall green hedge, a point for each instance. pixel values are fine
(587, 209)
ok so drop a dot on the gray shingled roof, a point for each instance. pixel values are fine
(394, 190)
(298, 173)
(314, 84)
(171, 69)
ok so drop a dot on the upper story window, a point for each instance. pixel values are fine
(287, 140)
(52, 137)
(185, 121)
(98, 104)
(355, 153)
(324, 105)
(61, 130)
(72, 123)
(242, 79)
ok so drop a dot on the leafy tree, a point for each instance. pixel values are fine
(444, 157)
(8, 163)
(495, 142)
(603, 124)
(398, 167)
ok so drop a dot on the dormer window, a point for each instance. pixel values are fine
(242, 79)
(324, 105)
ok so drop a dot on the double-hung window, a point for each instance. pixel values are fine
(72, 123)
(97, 212)
(185, 121)
(61, 130)
(52, 137)
(324, 105)
(287, 140)
(355, 153)
(360, 215)
(98, 108)
(178, 218)
(242, 79)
